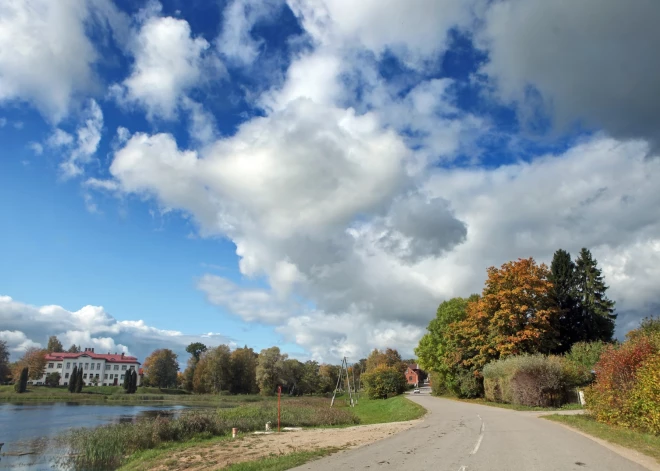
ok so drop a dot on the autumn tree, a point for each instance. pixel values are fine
(328, 377)
(383, 380)
(4, 361)
(515, 314)
(244, 371)
(270, 370)
(292, 375)
(54, 345)
(388, 357)
(595, 308)
(213, 371)
(34, 359)
(161, 367)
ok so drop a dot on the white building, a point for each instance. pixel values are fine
(100, 368)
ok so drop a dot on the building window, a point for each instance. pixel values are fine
(66, 375)
(116, 367)
(59, 365)
(68, 365)
(97, 376)
(85, 376)
(409, 378)
(123, 367)
(107, 367)
(116, 376)
(105, 376)
(86, 366)
(98, 366)
(74, 364)
(50, 365)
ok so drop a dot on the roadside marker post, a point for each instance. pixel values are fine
(279, 394)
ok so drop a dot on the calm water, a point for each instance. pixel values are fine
(31, 429)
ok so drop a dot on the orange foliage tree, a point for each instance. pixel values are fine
(514, 315)
(34, 359)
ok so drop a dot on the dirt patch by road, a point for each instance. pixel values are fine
(252, 447)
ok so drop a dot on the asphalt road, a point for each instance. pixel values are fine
(456, 436)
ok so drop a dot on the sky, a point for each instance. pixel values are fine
(314, 174)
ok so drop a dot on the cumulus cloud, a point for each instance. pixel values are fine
(590, 60)
(168, 62)
(26, 326)
(46, 58)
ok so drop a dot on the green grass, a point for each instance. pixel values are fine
(642, 442)
(378, 411)
(281, 462)
(518, 407)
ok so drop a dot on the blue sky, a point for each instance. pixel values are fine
(315, 175)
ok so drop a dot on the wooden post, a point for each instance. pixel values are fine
(279, 393)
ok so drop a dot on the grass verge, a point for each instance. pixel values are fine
(380, 411)
(282, 462)
(518, 407)
(643, 442)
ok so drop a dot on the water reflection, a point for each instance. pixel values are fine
(32, 432)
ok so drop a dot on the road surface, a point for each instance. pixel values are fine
(457, 436)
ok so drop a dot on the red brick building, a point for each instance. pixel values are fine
(414, 375)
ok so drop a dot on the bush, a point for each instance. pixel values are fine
(624, 391)
(581, 360)
(469, 384)
(383, 381)
(530, 380)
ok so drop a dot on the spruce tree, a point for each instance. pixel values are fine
(595, 309)
(73, 380)
(569, 323)
(127, 381)
(133, 382)
(79, 381)
(20, 386)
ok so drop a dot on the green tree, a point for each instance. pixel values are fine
(4, 361)
(53, 379)
(196, 349)
(213, 371)
(134, 380)
(21, 385)
(435, 347)
(311, 380)
(384, 380)
(161, 367)
(569, 322)
(328, 376)
(293, 372)
(73, 380)
(270, 370)
(54, 345)
(73, 349)
(244, 371)
(596, 310)
(127, 381)
(80, 382)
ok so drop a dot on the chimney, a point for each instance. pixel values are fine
(92, 350)
(122, 354)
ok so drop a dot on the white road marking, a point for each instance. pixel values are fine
(481, 435)
(462, 468)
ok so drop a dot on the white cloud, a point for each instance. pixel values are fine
(91, 326)
(46, 58)
(59, 138)
(35, 147)
(169, 62)
(590, 60)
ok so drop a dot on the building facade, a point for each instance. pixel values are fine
(102, 369)
(413, 375)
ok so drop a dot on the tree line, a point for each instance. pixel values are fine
(524, 308)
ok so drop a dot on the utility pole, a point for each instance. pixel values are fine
(343, 372)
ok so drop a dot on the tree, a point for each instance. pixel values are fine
(34, 359)
(213, 371)
(569, 323)
(384, 380)
(134, 380)
(127, 381)
(270, 370)
(53, 379)
(73, 349)
(161, 367)
(311, 381)
(435, 347)
(80, 382)
(21, 385)
(73, 380)
(292, 374)
(54, 345)
(515, 314)
(596, 310)
(244, 371)
(389, 357)
(328, 376)
(196, 349)
(4, 362)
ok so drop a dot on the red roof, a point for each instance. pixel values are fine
(110, 357)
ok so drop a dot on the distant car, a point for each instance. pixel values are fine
(416, 391)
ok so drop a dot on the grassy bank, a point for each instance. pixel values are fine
(282, 462)
(318, 414)
(519, 407)
(643, 442)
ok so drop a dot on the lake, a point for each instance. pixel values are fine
(29, 430)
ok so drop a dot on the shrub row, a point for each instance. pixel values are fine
(108, 446)
(627, 387)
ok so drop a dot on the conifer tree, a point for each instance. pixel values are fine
(73, 380)
(79, 381)
(21, 385)
(134, 382)
(595, 309)
(569, 322)
(127, 381)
